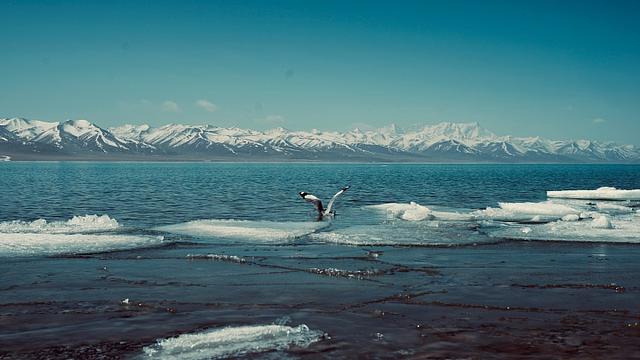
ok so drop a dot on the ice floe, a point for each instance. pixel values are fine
(518, 212)
(526, 212)
(603, 193)
(246, 230)
(403, 233)
(76, 225)
(39, 244)
(613, 208)
(599, 228)
(554, 219)
(80, 234)
(416, 212)
(233, 342)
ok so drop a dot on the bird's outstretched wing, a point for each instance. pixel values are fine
(315, 201)
(333, 199)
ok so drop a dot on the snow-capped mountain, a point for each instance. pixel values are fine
(80, 139)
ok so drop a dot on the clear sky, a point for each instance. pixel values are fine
(558, 69)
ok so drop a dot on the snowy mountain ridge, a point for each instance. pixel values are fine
(34, 139)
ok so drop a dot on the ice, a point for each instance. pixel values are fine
(264, 231)
(39, 244)
(232, 342)
(404, 233)
(571, 217)
(411, 211)
(603, 193)
(416, 212)
(601, 222)
(600, 228)
(526, 212)
(613, 208)
(78, 224)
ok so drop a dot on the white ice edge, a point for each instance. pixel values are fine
(232, 342)
(601, 228)
(23, 244)
(75, 225)
(518, 212)
(264, 231)
(603, 193)
(556, 219)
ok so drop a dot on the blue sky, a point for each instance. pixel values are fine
(558, 69)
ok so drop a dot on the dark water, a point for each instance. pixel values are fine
(471, 296)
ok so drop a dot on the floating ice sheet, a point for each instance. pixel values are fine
(518, 212)
(416, 212)
(526, 212)
(38, 244)
(263, 231)
(76, 225)
(232, 342)
(600, 228)
(603, 193)
(401, 233)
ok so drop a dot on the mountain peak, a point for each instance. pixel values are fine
(442, 141)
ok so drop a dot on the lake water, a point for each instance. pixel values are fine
(208, 260)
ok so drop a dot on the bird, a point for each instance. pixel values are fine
(322, 212)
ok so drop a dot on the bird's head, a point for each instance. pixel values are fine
(302, 194)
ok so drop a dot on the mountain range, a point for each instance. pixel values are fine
(22, 139)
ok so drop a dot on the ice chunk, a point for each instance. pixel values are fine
(526, 212)
(571, 217)
(410, 212)
(601, 222)
(540, 208)
(416, 212)
(519, 212)
(613, 208)
(36, 244)
(77, 224)
(603, 193)
(404, 233)
(232, 342)
(264, 231)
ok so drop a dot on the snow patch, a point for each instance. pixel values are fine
(233, 342)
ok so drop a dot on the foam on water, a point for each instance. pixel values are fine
(263, 231)
(603, 193)
(76, 225)
(232, 342)
(38, 244)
